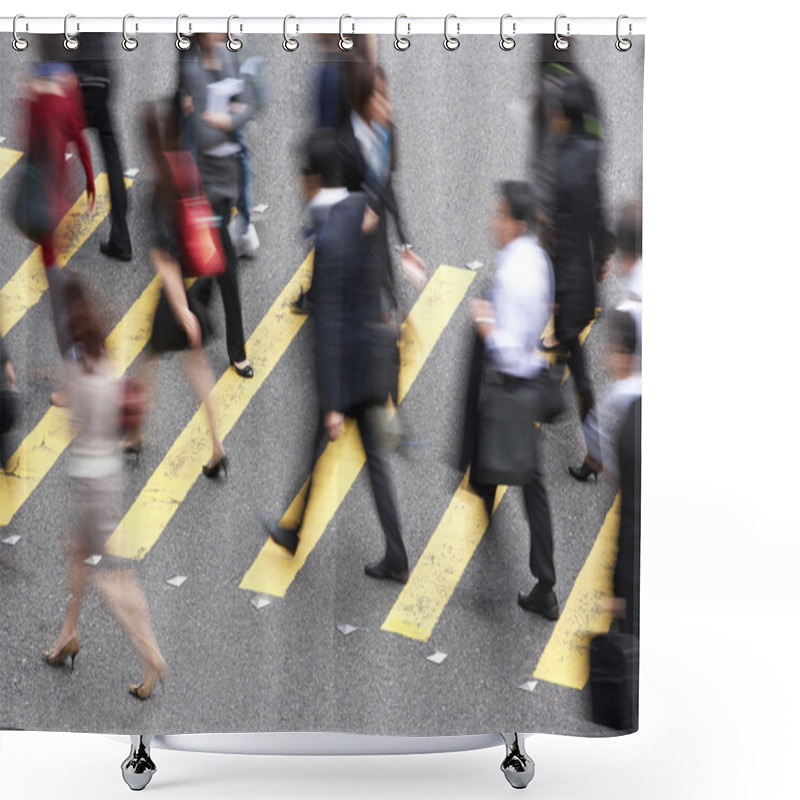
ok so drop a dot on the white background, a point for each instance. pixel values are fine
(720, 603)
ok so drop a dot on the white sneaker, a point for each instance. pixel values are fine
(247, 243)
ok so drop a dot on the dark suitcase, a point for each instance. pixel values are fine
(614, 680)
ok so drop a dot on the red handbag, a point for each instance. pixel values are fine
(197, 227)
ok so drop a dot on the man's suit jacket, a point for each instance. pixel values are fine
(346, 308)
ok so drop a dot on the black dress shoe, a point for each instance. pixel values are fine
(244, 372)
(286, 538)
(583, 472)
(112, 251)
(540, 602)
(383, 571)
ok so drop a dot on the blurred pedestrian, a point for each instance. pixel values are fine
(9, 402)
(346, 312)
(181, 320)
(217, 103)
(580, 248)
(507, 329)
(97, 477)
(53, 114)
(92, 66)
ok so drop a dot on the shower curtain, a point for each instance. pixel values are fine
(251, 501)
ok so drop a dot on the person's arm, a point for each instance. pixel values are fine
(78, 126)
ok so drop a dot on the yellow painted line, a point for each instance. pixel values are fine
(273, 570)
(7, 160)
(171, 481)
(441, 565)
(42, 447)
(25, 288)
(565, 659)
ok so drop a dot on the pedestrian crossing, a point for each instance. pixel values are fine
(424, 599)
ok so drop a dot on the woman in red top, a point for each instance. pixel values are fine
(55, 119)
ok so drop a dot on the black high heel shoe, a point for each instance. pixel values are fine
(244, 372)
(583, 472)
(212, 470)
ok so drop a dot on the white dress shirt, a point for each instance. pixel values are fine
(522, 296)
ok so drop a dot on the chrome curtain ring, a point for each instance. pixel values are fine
(451, 42)
(623, 45)
(345, 42)
(400, 42)
(19, 44)
(181, 42)
(289, 44)
(561, 43)
(70, 42)
(507, 42)
(128, 42)
(233, 44)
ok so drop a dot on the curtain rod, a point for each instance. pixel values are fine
(404, 25)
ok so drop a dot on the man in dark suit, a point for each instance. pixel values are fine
(346, 315)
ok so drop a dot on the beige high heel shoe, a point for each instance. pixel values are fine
(55, 658)
(155, 675)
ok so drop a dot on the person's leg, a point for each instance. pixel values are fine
(229, 288)
(583, 385)
(201, 378)
(119, 241)
(245, 199)
(395, 558)
(78, 578)
(537, 508)
(56, 282)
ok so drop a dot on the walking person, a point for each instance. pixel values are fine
(92, 66)
(347, 309)
(53, 111)
(507, 329)
(216, 104)
(95, 468)
(181, 320)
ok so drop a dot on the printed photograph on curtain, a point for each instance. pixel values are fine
(321, 385)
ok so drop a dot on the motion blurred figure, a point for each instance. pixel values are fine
(508, 327)
(95, 468)
(53, 111)
(347, 309)
(217, 103)
(181, 320)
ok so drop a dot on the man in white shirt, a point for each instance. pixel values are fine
(510, 326)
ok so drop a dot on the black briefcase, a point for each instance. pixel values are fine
(507, 436)
(614, 680)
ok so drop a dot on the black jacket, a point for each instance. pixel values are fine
(346, 308)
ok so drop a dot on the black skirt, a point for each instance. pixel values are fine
(169, 335)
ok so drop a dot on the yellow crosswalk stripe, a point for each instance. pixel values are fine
(8, 158)
(25, 288)
(445, 558)
(171, 481)
(43, 446)
(565, 659)
(441, 565)
(273, 570)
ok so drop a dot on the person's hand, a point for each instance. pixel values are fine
(219, 120)
(334, 424)
(414, 269)
(192, 327)
(601, 270)
(91, 195)
(482, 313)
(187, 105)
(370, 222)
(10, 374)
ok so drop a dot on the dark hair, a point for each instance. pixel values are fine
(320, 156)
(85, 326)
(361, 78)
(629, 229)
(622, 332)
(519, 196)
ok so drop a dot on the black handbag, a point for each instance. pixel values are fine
(613, 680)
(34, 214)
(508, 450)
